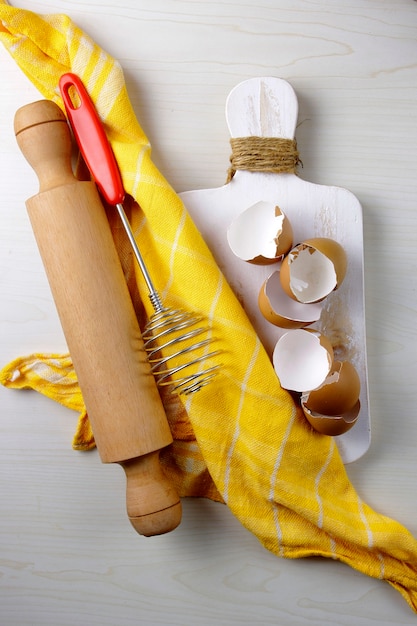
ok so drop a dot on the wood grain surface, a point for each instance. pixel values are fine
(67, 552)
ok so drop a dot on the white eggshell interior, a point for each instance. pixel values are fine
(285, 306)
(312, 274)
(256, 231)
(300, 360)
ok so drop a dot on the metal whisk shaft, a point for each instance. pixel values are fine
(153, 294)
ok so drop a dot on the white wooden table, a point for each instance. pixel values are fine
(67, 552)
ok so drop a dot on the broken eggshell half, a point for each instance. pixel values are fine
(281, 310)
(333, 408)
(332, 425)
(302, 359)
(262, 234)
(313, 269)
(339, 392)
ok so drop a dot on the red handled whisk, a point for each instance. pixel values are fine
(168, 329)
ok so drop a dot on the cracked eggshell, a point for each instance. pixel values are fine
(283, 311)
(302, 359)
(313, 269)
(332, 425)
(338, 394)
(262, 234)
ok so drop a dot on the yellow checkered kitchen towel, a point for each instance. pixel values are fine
(284, 482)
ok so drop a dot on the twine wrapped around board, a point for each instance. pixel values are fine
(277, 155)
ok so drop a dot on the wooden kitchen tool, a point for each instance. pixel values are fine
(98, 319)
(267, 107)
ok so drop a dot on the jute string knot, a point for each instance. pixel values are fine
(263, 154)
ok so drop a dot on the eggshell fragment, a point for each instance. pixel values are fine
(280, 310)
(302, 359)
(338, 394)
(262, 234)
(332, 425)
(313, 269)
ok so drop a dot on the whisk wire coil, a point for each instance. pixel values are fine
(165, 343)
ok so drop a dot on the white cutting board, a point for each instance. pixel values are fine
(268, 107)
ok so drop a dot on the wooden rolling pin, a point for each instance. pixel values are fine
(98, 319)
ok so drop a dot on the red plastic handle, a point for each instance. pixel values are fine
(91, 138)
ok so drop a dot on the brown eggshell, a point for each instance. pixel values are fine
(334, 251)
(332, 425)
(313, 269)
(282, 311)
(339, 392)
(262, 234)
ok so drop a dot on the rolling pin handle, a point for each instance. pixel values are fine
(146, 482)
